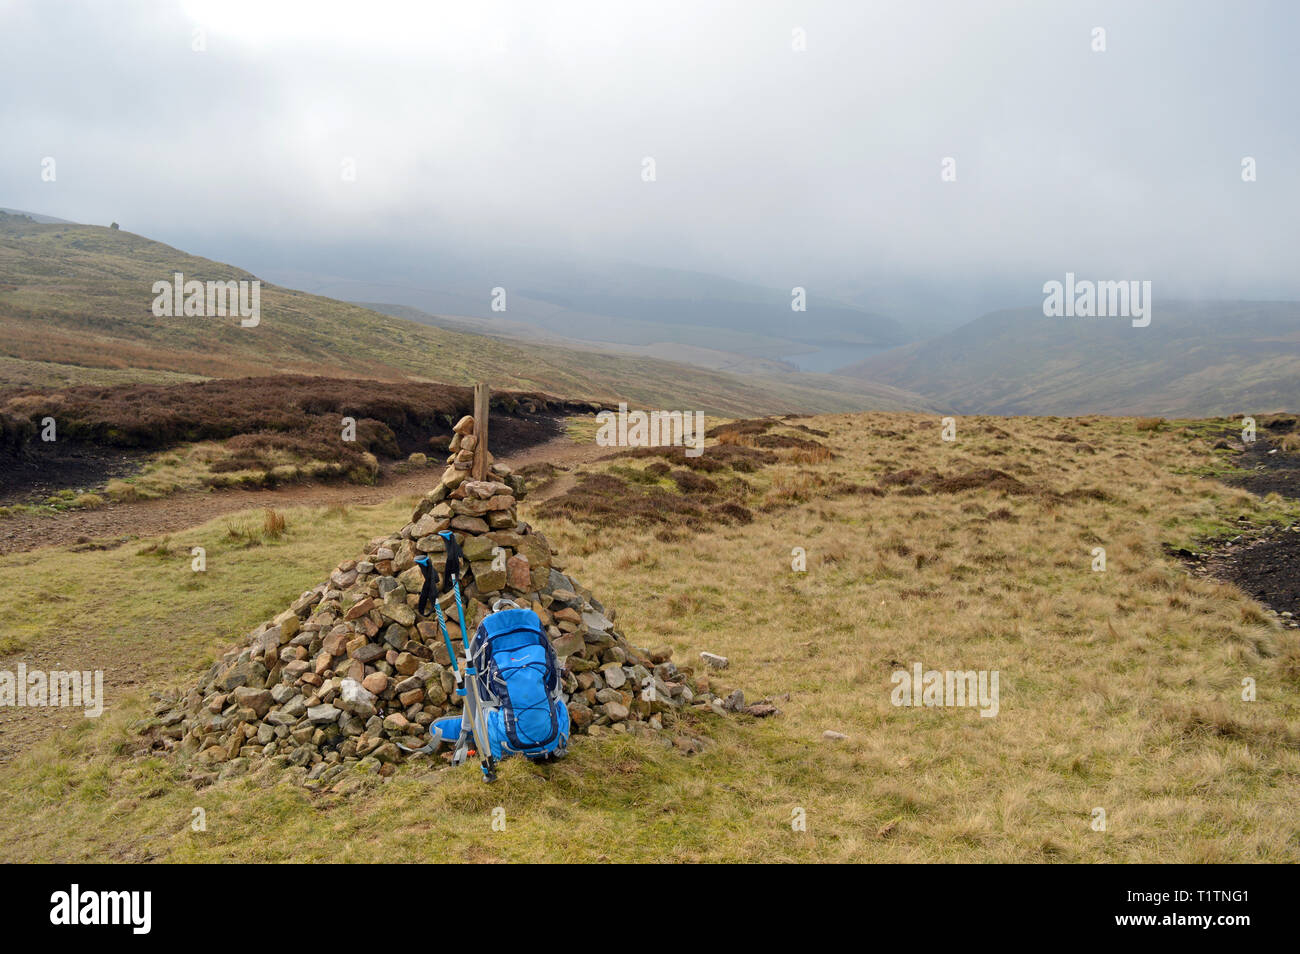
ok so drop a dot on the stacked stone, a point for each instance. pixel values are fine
(350, 670)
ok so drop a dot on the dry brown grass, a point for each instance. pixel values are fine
(791, 487)
(1119, 690)
(788, 447)
(806, 455)
(273, 524)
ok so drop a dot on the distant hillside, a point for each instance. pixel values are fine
(37, 217)
(75, 307)
(1195, 359)
(592, 300)
(717, 359)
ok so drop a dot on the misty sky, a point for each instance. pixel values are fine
(478, 124)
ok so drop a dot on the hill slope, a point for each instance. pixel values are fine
(592, 300)
(75, 307)
(1194, 359)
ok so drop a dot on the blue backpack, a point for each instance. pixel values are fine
(519, 686)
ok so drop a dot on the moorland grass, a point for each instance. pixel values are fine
(1119, 690)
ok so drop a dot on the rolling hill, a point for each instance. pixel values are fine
(589, 299)
(724, 357)
(1194, 359)
(75, 308)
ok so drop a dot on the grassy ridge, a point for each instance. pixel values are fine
(1119, 689)
(1194, 359)
(75, 304)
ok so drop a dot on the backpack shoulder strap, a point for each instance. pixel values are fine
(554, 684)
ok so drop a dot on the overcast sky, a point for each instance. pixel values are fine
(479, 123)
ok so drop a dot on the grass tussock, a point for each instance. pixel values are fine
(742, 460)
(246, 532)
(606, 500)
(272, 524)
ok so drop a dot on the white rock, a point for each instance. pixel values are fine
(356, 698)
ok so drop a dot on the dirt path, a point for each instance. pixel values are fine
(562, 452)
(115, 524)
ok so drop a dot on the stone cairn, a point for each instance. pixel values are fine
(349, 670)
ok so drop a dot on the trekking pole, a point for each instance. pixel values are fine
(446, 639)
(468, 686)
(430, 594)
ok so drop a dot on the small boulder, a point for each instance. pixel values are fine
(714, 661)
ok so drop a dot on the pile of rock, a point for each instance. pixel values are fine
(350, 669)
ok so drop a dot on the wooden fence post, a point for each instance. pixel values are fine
(479, 469)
